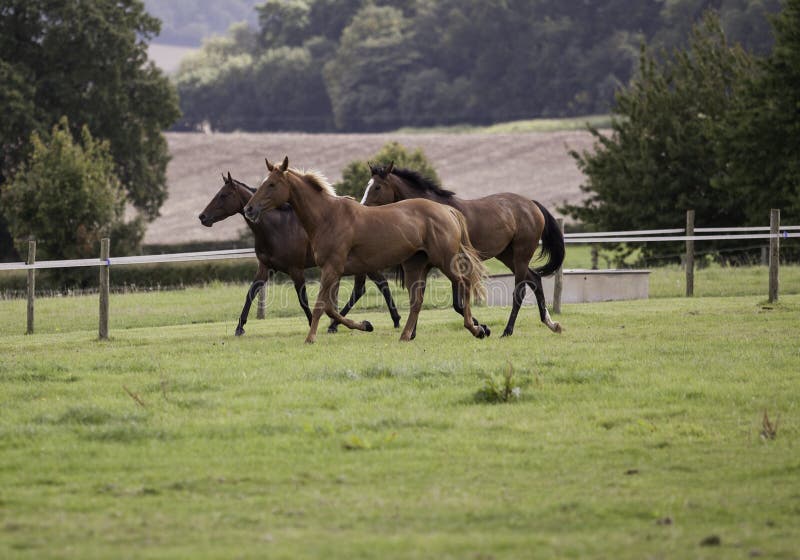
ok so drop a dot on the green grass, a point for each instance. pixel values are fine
(636, 432)
(531, 125)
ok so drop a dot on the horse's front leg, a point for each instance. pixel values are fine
(359, 288)
(260, 280)
(383, 286)
(299, 279)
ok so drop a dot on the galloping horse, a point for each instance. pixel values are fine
(281, 245)
(506, 225)
(348, 238)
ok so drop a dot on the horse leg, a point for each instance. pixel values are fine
(535, 282)
(260, 280)
(458, 305)
(329, 290)
(299, 280)
(383, 286)
(469, 324)
(520, 283)
(415, 271)
(358, 290)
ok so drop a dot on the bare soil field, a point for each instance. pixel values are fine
(536, 165)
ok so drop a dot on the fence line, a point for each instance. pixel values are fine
(105, 262)
(629, 237)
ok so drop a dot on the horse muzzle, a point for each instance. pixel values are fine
(207, 221)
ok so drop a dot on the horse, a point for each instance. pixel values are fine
(281, 245)
(349, 238)
(505, 225)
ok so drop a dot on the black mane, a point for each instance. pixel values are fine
(418, 181)
(282, 208)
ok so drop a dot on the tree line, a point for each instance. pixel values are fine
(368, 65)
(709, 127)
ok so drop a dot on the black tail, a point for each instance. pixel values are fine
(553, 248)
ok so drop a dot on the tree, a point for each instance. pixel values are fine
(661, 157)
(87, 60)
(365, 77)
(356, 174)
(67, 196)
(759, 148)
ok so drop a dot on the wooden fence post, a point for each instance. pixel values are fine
(262, 302)
(558, 281)
(689, 253)
(105, 252)
(31, 283)
(774, 253)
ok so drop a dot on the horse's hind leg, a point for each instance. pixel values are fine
(359, 287)
(260, 280)
(534, 280)
(458, 305)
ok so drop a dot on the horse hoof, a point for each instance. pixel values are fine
(239, 331)
(481, 333)
(557, 328)
(486, 330)
(367, 326)
(506, 333)
(397, 324)
(333, 329)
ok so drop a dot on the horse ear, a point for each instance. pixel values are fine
(285, 164)
(223, 178)
(230, 179)
(270, 167)
(371, 168)
(390, 167)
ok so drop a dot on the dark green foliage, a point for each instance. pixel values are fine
(388, 64)
(660, 158)
(67, 196)
(356, 174)
(760, 143)
(86, 60)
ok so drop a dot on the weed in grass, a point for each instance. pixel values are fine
(499, 388)
(768, 429)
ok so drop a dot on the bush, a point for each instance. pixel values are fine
(67, 196)
(356, 174)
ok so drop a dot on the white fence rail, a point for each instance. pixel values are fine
(773, 233)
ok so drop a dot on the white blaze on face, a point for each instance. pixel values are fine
(366, 192)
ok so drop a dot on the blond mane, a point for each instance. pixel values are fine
(317, 180)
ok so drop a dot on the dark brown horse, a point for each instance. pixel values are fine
(281, 245)
(348, 238)
(506, 225)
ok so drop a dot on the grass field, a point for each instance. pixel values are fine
(635, 434)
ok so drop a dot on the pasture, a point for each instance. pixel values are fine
(637, 432)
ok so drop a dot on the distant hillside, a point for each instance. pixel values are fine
(188, 22)
(533, 164)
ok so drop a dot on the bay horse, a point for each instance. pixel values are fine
(281, 245)
(505, 225)
(348, 238)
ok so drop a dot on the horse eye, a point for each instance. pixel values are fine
(377, 187)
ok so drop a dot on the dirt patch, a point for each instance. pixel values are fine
(536, 165)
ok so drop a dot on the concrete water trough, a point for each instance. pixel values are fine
(579, 286)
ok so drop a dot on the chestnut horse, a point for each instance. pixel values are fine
(506, 225)
(348, 238)
(281, 245)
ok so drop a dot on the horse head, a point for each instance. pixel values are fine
(381, 188)
(273, 191)
(227, 202)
